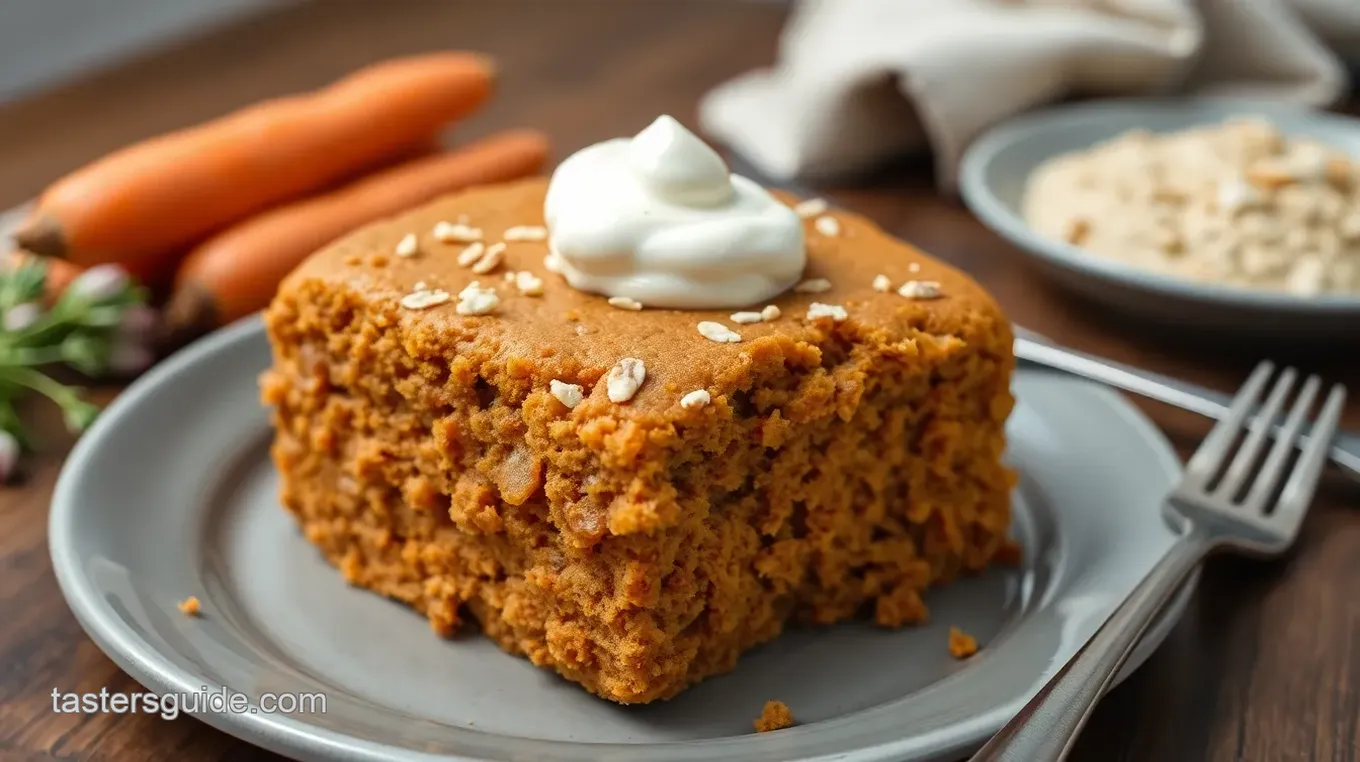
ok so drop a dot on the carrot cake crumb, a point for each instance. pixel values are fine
(775, 716)
(961, 644)
(1009, 554)
(190, 606)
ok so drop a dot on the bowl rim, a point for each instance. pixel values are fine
(980, 197)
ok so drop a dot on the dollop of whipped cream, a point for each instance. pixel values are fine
(659, 219)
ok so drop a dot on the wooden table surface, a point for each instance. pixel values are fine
(1265, 665)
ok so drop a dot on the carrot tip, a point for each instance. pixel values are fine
(41, 235)
(189, 313)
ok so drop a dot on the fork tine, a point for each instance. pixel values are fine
(1245, 460)
(1273, 469)
(1215, 447)
(1298, 491)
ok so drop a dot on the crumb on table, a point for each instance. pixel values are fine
(775, 716)
(190, 606)
(961, 644)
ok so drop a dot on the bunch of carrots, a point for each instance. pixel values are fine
(222, 212)
(219, 214)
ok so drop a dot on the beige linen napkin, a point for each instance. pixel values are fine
(859, 81)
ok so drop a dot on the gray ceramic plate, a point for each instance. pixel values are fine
(172, 494)
(992, 181)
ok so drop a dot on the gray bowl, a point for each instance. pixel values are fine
(992, 181)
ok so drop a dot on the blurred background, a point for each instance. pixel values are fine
(45, 41)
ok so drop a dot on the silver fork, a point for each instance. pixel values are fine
(1043, 352)
(1223, 502)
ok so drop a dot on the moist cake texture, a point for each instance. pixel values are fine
(831, 468)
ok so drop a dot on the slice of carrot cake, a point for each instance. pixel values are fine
(636, 432)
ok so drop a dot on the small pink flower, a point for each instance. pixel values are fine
(138, 321)
(99, 282)
(20, 316)
(9, 455)
(128, 357)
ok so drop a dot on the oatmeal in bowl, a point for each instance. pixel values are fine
(1236, 203)
(1233, 217)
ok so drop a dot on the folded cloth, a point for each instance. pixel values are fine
(860, 81)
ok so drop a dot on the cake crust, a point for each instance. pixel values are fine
(838, 467)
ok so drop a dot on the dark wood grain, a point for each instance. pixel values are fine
(1264, 667)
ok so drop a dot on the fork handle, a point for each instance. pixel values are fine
(1046, 728)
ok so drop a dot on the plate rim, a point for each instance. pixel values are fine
(297, 738)
(981, 199)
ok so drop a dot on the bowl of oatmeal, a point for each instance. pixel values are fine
(1215, 214)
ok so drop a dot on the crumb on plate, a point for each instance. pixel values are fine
(775, 716)
(190, 606)
(961, 644)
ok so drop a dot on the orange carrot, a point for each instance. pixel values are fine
(237, 271)
(157, 273)
(154, 198)
(60, 273)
